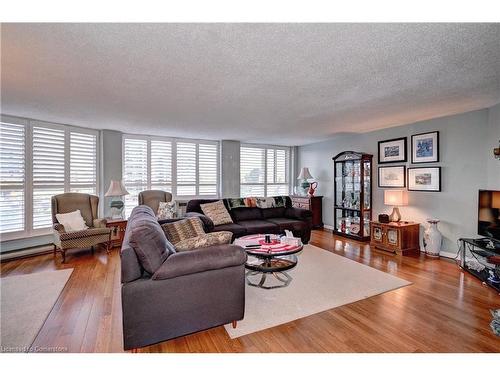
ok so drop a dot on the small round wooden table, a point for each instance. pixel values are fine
(268, 259)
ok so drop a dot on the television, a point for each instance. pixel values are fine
(488, 221)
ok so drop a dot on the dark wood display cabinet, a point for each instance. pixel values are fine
(353, 195)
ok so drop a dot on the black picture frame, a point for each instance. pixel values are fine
(434, 160)
(401, 160)
(392, 186)
(438, 189)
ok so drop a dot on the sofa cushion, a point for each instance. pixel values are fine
(290, 224)
(234, 202)
(149, 242)
(181, 230)
(204, 240)
(246, 213)
(259, 226)
(273, 212)
(217, 212)
(234, 228)
(211, 258)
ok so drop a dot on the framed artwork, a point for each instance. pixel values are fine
(424, 179)
(425, 148)
(392, 150)
(392, 177)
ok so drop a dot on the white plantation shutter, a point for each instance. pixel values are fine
(135, 170)
(37, 161)
(83, 162)
(186, 169)
(48, 172)
(207, 169)
(264, 170)
(12, 177)
(161, 165)
(252, 171)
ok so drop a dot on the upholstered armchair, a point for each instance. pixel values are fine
(152, 198)
(97, 232)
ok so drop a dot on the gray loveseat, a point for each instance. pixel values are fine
(166, 294)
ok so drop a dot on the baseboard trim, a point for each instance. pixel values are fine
(30, 252)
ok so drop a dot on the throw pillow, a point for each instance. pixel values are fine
(183, 229)
(217, 212)
(250, 202)
(280, 201)
(166, 210)
(72, 221)
(235, 203)
(265, 202)
(205, 240)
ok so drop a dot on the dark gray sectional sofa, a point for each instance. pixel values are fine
(254, 220)
(167, 294)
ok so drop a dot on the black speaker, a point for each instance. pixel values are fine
(383, 218)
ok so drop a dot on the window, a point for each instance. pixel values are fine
(39, 160)
(264, 170)
(186, 168)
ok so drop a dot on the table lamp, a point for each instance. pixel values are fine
(395, 198)
(304, 176)
(116, 191)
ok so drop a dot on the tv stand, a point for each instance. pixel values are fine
(473, 258)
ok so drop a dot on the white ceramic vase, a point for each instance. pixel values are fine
(432, 238)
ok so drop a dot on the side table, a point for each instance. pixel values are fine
(118, 227)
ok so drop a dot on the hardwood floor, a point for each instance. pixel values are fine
(445, 310)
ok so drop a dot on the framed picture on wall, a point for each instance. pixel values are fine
(424, 179)
(392, 150)
(392, 177)
(425, 148)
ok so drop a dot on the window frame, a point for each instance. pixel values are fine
(265, 184)
(28, 123)
(174, 183)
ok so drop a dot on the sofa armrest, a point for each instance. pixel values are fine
(208, 224)
(298, 213)
(195, 261)
(100, 223)
(166, 221)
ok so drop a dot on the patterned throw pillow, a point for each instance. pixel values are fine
(166, 210)
(205, 240)
(280, 201)
(217, 212)
(235, 203)
(250, 202)
(183, 229)
(265, 202)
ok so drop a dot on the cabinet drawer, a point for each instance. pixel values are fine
(301, 205)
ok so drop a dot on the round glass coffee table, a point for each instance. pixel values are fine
(268, 259)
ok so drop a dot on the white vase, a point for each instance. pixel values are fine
(432, 238)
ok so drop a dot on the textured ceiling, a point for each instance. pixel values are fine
(269, 83)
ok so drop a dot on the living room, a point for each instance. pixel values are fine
(250, 187)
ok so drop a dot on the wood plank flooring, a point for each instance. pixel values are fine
(445, 310)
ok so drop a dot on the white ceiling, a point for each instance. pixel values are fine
(269, 83)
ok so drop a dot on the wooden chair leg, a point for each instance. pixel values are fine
(63, 251)
(92, 249)
(235, 323)
(55, 250)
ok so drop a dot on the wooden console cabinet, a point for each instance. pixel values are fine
(118, 227)
(314, 204)
(399, 238)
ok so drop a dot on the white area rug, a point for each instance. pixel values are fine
(26, 301)
(321, 281)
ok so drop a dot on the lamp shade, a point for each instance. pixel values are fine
(116, 189)
(304, 174)
(395, 197)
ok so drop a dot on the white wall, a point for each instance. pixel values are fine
(466, 168)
